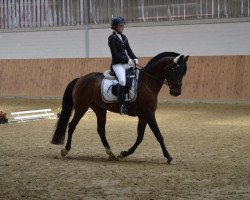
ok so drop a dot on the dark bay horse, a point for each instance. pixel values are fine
(85, 92)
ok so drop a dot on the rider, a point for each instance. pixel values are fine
(123, 57)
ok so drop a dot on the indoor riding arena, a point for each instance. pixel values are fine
(44, 44)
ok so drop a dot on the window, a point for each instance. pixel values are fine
(54, 13)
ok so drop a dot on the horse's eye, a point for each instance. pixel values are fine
(174, 69)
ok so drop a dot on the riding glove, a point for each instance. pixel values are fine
(136, 61)
(131, 63)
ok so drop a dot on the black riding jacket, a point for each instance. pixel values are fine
(117, 48)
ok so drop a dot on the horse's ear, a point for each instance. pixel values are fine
(186, 58)
(177, 58)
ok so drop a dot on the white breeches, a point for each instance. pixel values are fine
(120, 71)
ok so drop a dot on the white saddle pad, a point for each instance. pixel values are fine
(107, 95)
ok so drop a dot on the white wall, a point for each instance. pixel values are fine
(196, 40)
(45, 44)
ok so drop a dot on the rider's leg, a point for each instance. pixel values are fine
(120, 72)
(122, 97)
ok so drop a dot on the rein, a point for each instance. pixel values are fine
(151, 76)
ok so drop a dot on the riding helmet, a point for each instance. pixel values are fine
(116, 21)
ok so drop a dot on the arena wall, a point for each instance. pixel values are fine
(146, 41)
(208, 77)
(40, 63)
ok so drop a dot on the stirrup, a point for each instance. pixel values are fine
(123, 110)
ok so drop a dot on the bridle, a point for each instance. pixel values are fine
(165, 81)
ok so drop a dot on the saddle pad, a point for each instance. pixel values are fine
(108, 96)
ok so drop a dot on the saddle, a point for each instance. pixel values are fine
(130, 75)
(110, 86)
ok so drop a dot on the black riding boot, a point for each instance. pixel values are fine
(122, 97)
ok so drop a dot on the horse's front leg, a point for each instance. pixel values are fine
(155, 129)
(140, 134)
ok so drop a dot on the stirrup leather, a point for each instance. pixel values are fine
(123, 110)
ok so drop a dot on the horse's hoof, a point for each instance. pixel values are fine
(122, 155)
(110, 154)
(64, 152)
(169, 160)
(112, 157)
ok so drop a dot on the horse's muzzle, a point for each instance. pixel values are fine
(175, 93)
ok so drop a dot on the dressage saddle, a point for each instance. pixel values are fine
(130, 75)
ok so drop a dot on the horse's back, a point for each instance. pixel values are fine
(93, 75)
(91, 78)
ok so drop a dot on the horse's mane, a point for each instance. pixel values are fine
(162, 55)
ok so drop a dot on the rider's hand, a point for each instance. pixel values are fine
(136, 61)
(131, 63)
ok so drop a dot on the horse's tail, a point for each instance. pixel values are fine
(67, 106)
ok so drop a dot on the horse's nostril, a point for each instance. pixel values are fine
(175, 93)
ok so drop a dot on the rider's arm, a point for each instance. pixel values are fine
(129, 50)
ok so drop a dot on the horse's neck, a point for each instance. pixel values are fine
(154, 76)
(157, 69)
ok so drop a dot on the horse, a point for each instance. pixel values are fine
(85, 92)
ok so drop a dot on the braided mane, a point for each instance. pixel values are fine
(162, 55)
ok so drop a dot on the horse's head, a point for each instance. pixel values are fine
(174, 74)
(168, 68)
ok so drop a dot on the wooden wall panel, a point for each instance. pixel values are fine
(208, 78)
(218, 78)
(43, 77)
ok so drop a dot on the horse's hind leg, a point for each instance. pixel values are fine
(79, 112)
(101, 122)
